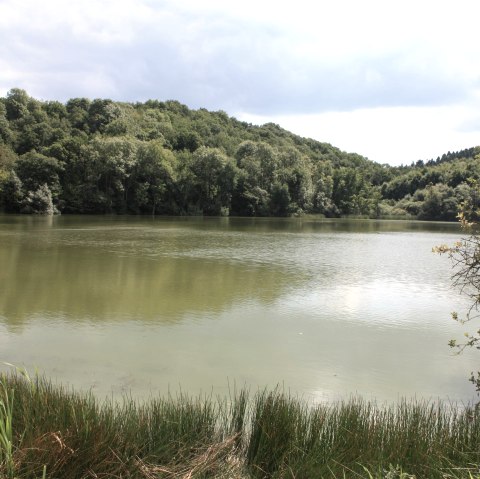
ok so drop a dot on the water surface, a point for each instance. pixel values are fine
(326, 308)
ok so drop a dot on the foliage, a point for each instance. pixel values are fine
(63, 434)
(6, 428)
(101, 156)
(465, 255)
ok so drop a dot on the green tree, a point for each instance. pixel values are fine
(155, 125)
(80, 175)
(153, 178)
(39, 202)
(280, 200)
(12, 193)
(115, 158)
(439, 203)
(101, 113)
(35, 170)
(6, 134)
(465, 256)
(16, 104)
(35, 186)
(187, 140)
(100, 175)
(7, 160)
(352, 192)
(77, 110)
(214, 175)
(295, 172)
(258, 163)
(322, 201)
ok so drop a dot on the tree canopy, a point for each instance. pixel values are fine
(161, 157)
(465, 257)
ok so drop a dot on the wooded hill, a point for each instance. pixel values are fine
(160, 157)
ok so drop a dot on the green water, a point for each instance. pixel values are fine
(142, 305)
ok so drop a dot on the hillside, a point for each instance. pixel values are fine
(160, 157)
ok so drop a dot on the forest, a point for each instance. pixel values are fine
(162, 158)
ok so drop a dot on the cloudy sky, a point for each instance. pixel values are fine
(395, 81)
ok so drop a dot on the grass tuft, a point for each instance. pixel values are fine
(50, 432)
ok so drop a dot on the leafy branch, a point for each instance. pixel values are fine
(465, 257)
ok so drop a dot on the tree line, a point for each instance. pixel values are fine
(160, 157)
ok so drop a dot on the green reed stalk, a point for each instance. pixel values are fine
(6, 427)
(267, 434)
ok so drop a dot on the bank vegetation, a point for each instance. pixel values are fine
(48, 431)
(161, 157)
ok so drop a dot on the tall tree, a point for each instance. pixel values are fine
(153, 179)
(214, 178)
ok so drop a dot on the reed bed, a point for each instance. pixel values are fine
(47, 431)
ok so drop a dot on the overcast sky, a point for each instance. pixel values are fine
(395, 81)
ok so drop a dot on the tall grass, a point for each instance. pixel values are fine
(268, 434)
(6, 428)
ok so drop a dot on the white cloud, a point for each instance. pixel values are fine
(387, 135)
(350, 66)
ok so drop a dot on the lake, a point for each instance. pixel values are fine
(324, 308)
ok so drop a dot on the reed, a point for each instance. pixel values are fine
(6, 428)
(51, 432)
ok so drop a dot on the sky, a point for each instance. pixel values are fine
(395, 81)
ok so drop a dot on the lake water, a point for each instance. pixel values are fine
(324, 308)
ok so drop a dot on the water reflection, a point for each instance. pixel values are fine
(99, 283)
(327, 308)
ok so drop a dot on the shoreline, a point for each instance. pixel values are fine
(62, 433)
